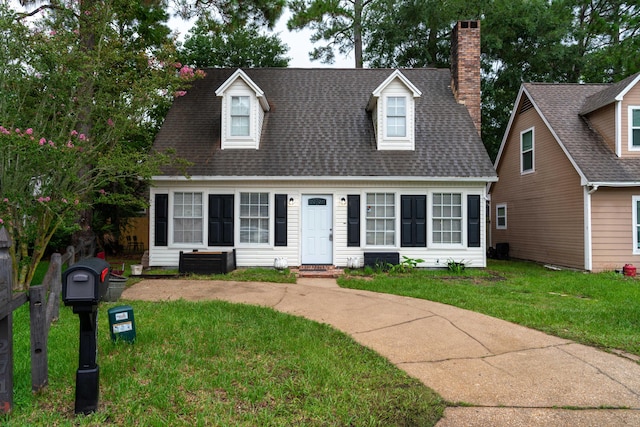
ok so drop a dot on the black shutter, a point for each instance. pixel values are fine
(280, 229)
(353, 220)
(413, 221)
(473, 220)
(220, 220)
(162, 220)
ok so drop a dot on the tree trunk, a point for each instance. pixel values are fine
(357, 32)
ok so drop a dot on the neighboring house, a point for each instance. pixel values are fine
(323, 166)
(569, 169)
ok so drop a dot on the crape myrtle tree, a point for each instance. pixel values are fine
(74, 120)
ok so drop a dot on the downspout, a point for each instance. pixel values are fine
(588, 249)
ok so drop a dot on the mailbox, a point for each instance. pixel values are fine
(84, 285)
(86, 282)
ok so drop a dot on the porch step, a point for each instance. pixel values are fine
(318, 271)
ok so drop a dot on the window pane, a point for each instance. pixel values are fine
(527, 141)
(240, 105)
(636, 137)
(527, 161)
(187, 218)
(447, 218)
(636, 118)
(254, 217)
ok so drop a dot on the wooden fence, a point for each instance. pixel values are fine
(44, 308)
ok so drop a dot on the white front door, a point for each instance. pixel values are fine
(317, 229)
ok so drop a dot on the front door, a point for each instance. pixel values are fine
(317, 229)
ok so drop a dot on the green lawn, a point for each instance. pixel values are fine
(222, 364)
(601, 310)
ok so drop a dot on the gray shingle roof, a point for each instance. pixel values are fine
(318, 127)
(606, 96)
(561, 105)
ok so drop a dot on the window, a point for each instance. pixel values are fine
(634, 133)
(526, 148)
(501, 217)
(381, 219)
(254, 217)
(240, 107)
(187, 218)
(396, 116)
(636, 224)
(447, 218)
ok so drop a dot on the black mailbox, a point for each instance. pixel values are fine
(86, 282)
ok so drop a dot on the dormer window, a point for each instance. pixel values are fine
(243, 109)
(392, 107)
(240, 116)
(396, 116)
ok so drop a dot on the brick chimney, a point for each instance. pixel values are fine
(465, 67)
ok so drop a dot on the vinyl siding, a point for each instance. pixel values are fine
(612, 228)
(247, 256)
(632, 98)
(604, 122)
(544, 208)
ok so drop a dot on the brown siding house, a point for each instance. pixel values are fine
(568, 192)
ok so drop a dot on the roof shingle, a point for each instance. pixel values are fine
(318, 126)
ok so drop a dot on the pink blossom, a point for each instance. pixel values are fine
(5, 200)
(102, 191)
(110, 123)
(177, 65)
(200, 73)
(41, 199)
(69, 144)
(29, 131)
(17, 130)
(51, 143)
(47, 199)
(74, 132)
(76, 201)
(1, 221)
(64, 200)
(82, 137)
(179, 93)
(42, 141)
(53, 32)
(4, 130)
(186, 72)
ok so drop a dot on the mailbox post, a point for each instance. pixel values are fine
(84, 284)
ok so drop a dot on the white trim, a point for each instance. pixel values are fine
(630, 110)
(634, 211)
(588, 233)
(481, 180)
(239, 74)
(533, 151)
(397, 75)
(618, 128)
(498, 226)
(630, 86)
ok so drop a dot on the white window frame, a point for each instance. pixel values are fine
(380, 222)
(524, 171)
(462, 219)
(202, 212)
(228, 116)
(636, 224)
(632, 147)
(262, 195)
(388, 116)
(232, 115)
(498, 216)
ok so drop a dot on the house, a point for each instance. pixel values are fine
(569, 169)
(327, 166)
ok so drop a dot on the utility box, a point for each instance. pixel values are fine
(122, 323)
(85, 282)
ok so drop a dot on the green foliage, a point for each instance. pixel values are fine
(218, 363)
(406, 265)
(80, 88)
(600, 309)
(456, 267)
(211, 45)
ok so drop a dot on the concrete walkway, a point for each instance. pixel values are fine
(503, 374)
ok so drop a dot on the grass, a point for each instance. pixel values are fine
(215, 363)
(601, 310)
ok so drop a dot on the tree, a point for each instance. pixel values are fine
(52, 85)
(338, 22)
(209, 45)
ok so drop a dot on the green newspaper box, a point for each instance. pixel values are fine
(122, 323)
